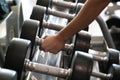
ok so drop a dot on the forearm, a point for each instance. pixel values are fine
(85, 16)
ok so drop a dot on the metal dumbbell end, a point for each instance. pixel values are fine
(6, 74)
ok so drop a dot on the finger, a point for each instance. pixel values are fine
(45, 50)
(45, 36)
(54, 51)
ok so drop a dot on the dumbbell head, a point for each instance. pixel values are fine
(82, 41)
(30, 31)
(115, 71)
(112, 57)
(38, 13)
(45, 3)
(82, 65)
(17, 52)
(7, 74)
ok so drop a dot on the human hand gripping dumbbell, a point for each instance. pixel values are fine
(17, 58)
(30, 29)
(38, 14)
(82, 43)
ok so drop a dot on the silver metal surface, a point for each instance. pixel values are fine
(98, 58)
(51, 26)
(48, 70)
(101, 75)
(64, 3)
(60, 14)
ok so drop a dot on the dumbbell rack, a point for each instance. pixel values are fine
(39, 58)
(55, 60)
(48, 56)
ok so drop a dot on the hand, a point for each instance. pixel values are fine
(52, 43)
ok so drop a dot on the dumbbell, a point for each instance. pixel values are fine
(30, 29)
(111, 56)
(7, 74)
(81, 67)
(65, 4)
(42, 10)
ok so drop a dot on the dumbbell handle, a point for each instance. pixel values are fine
(58, 72)
(67, 47)
(98, 58)
(45, 69)
(51, 26)
(111, 55)
(102, 75)
(60, 14)
(64, 3)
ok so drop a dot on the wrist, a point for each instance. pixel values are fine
(61, 38)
